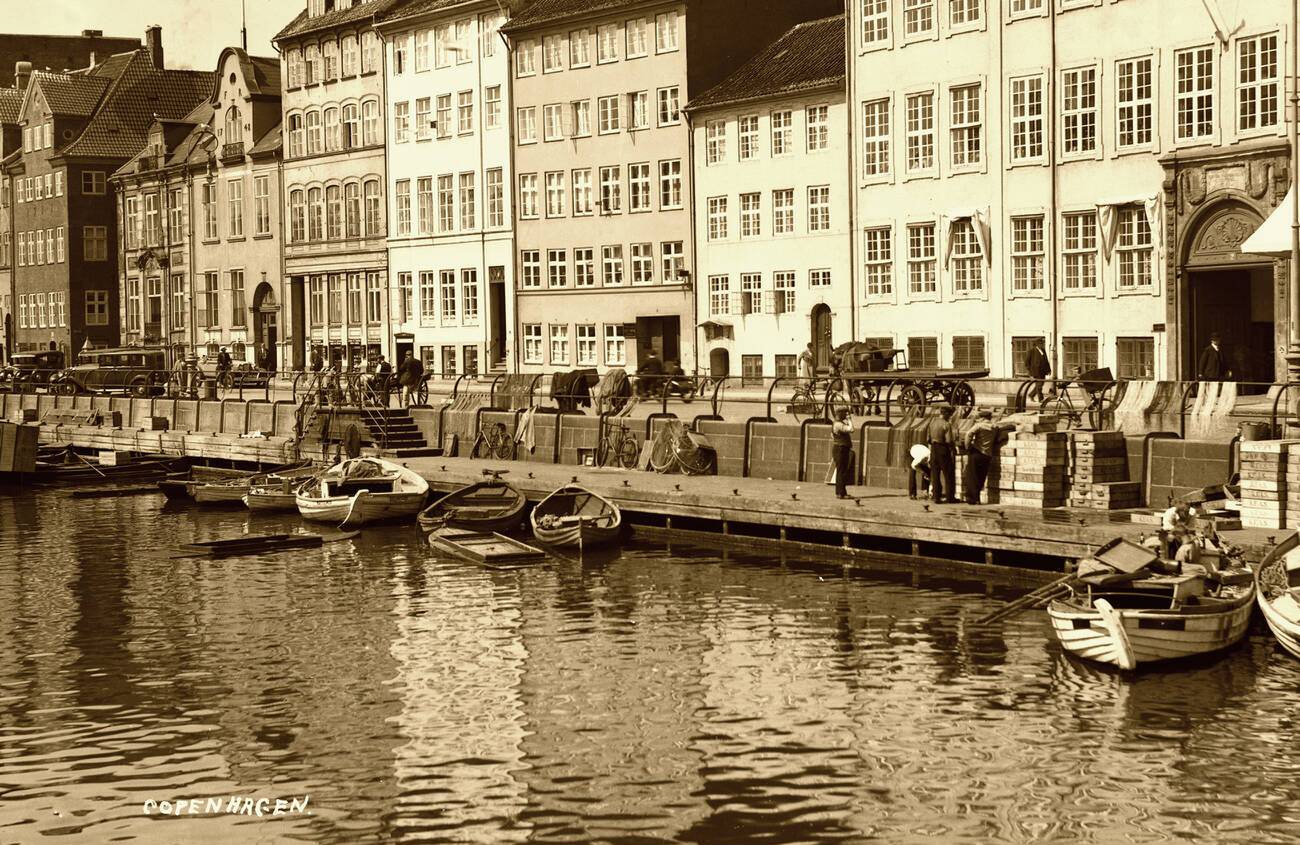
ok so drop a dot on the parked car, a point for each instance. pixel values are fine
(30, 370)
(137, 371)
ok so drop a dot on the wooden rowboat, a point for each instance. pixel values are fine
(179, 487)
(484, 547)
(575, 516)
(1277, 583)
(488, 506)
(276, 491)
(231, 491)
(359, 491)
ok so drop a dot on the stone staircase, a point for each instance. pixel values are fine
(396, 433)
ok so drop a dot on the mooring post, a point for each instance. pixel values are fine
(668, 523)
(988, 557)
(844, 539)
(726, 528)
(916, 549)
(782, 533)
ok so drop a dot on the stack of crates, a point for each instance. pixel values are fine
(1031, 469)
(1264, 465)
(1099, 472)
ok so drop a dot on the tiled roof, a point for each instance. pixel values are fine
(808, 57)
(405, 9)
(543, 12)
(11, 105)
(139, 95)
(272, 141)
(71, 94)
(266, 75)
(302, 24)
(55, 52)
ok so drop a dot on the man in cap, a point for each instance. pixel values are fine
(943, 469)
(842, 451)
(980, 442)
(1213, 364)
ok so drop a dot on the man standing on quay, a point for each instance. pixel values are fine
(410, 374)
(842, 451)
(943, 468)
(981, 442)
(1213, 364)
(1039, 368)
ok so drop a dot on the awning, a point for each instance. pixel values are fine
(714, 330)
(1273, 237)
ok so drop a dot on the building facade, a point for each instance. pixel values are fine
(11, 101)
(603, 169)
(772, 207)
(1077, 170)
(450, 238)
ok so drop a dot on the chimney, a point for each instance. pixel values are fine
(153, 41)
(22, 75)
(92, 33)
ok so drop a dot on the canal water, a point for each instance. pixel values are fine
(654, 696)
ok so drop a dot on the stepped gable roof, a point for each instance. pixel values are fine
(808, 57)
(543, 12)
(302, 24)
(11, 105)
(414, 8)
(71, 94)
(138, 96)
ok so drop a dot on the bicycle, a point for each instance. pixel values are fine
(804, 402)
(493, 442)
(618, 447)
(1100, 407)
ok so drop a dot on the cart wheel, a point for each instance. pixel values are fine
(962, 397)
(422, 395)
(911, 397)
(1101, 412)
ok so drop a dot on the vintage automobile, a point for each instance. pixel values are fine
(138, 371)
(31, 370)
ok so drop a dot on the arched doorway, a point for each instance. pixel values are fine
(1228, 293)
(266, 313)
(821, 335)
(719, 363)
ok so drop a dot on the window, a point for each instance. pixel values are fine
(210, 231)
(443, 122)
(449, 361)
(607, 43)
(317, 286)
(1027, 118)
(783, 285)
(238, 309)
(817, 128)
(334, 213)
(963, 12)
(819, 208)
(132, 222)
(1079, 253)
(751, 293)
(1135, 357)
(751, 370)
(1023, 7)
(878, 255)
(374, 298)
(636, 38)
(968, 352)
(719, 295)
(235, 200)
(527, 125)
(553, 122)
(1194, 93)
(530, 262)
(351, 127)
(262, 204)
(403, 200)
(552, 53)
(374, 209)
(58, 183)
(715, 141)
(612, 265)
(526, 58)
(717, 218)
(496, 201)
(93, 182)
(1020, 348)
(783, 212)
(751, 224)
(315, 139)
(312, 54)
(331, 53)
(132, 306)
(406, 296)
(580, 48)
(921, 267)
(447, 298)
(581, 118)
(336, 298)
(1134, 247)
(1079, 354)
(428, 299)
(401, 122)
(1257, 82)
(559, 344)
(469, 359)
(297, 217)
(782, 132)
(965, 131)
(918, 17)
(352, 209)
(920, 132)
(672, 261)
(875, 138)
(581, 192)
(642, 264)
(370, 123)
(349, 51)
(527, 195)
(532, 343)
(465, 112)
(96, 306)
(615, 346)
(293, 68)
(58, 241)
(424, 205)
(967, 258)
(607, 112)
(421, 50)
(922, 352)
(666, 32)
(875, 21)
(611, 185)
(94, 244)
(638, 187)
(819, 278)
(638, 103)
(1026, 254)
(468, 204)
(461, 46)
(492, 107)
(1133, 102)
(586, 336)
(748, 137)
(669, 106)
(584, 267)
(490, 31)
(1079, 110)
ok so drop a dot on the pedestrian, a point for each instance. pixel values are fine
(383, 371)
(1039, 368)
(1213, 364)
(842, 450)
(943, 469)
(980, 442)
(807, 361)
(410, 375)
(918, 474)
(223, 367)
(317, 360)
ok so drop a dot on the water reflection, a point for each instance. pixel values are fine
(637, 697)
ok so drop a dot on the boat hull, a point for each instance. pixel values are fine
(256, 500)
(464, 509)
(585, 535)
(334, 509)
(219, 494)
(367, 507)
(1281, 612)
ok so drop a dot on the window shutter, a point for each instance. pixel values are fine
(769, 302)
(734, 304)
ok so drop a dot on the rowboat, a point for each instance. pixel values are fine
(485, 547)
(1140, 616)
(230, 490)
(179, 486)
(488, 506)
(72, 468)
(1277, 583)
(360, 491)
(276, 491)
(575, 516)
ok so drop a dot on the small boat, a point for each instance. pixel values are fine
(1136, 614)
(231, 490)
(484, 547)
(575, 516)
(72, 468)
(487, 506)
(358, 491)
(276, 491)
(179, 486)
(1277, 589)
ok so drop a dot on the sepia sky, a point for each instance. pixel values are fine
(194, 31)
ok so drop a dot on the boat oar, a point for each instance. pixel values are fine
(1031, 599)
(102, 474)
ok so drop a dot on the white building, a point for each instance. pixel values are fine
(772, 206)
(1078, 170)
(450, 239)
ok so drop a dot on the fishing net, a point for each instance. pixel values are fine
(677, 449)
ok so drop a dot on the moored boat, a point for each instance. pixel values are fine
(489, 506)
(1277, 585)
(359, 491)
(487, 548)
(231, 490)
(180, 486)
(276, 491)
(575, 516)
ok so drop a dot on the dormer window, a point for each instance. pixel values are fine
(234, 126)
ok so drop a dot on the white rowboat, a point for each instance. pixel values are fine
(1277, 582)
(359, 491)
